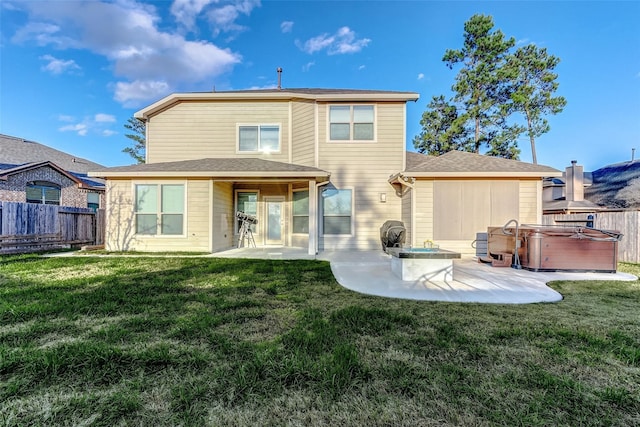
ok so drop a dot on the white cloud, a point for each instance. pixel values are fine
(43, 34)
(268, 86)
(65, 118)
(420, 76)
(306, 67)
(186, 11)
(95, 124)
(104, 118)
(127, 34)
(130, 93)
(343, 41)
(58, 66)
(286, 26)
(80, 128)
(224, 18)
(362, 67)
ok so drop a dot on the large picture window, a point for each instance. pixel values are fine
(336, 211)
(259, 138)
(301, 212)
(351, 123)
(160, 209)
(43, 192)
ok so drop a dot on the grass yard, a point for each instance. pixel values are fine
(202, 341)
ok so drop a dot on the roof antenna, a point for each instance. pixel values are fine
(279, 70)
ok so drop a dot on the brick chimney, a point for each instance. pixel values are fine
(574, 179)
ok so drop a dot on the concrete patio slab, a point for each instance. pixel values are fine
(370, 273)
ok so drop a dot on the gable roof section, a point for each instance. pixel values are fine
(327, 95)
(462, 164)
(218, 167)
(6, 173)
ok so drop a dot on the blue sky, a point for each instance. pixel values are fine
(72, 73)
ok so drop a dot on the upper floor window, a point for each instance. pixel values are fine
(159, 209)
(43, 192)
(259, 138)
(351, 123)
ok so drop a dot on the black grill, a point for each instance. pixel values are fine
(392, 234)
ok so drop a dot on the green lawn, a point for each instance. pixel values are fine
(203, 341)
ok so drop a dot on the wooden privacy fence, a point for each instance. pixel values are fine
(626, 222)
(25, 227)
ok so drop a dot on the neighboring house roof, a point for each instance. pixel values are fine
(219, 167)
(610, 183)
(465, 164)
(18, 152)
(561, 181)
(327, 95)
(573, 206)
(85, 183)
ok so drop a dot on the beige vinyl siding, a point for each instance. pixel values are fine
(121, 219)
(531, 202)
(223, 216)
(303, 133)
(198, 130)
(423, 211)
(119, 234)
(365, 168)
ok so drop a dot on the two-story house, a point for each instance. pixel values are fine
(320, 169)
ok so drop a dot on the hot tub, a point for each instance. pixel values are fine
(558, 248)
(422, 263)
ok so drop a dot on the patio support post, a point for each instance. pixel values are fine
(313, 217)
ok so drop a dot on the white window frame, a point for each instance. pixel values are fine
(158, 212)
(353, 204)
(293, 215)
(259, 150)
(351, 124)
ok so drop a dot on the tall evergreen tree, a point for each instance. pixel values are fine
(441, 129)
(491, 85)
(532, 90)
(139, 138)
(480, 83)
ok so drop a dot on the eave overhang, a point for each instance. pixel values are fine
(319, 176)
(483, 174)
(282, 95)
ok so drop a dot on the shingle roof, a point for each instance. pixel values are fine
(16, 152)
(319, 91)
(467, 164)
(211, 167)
